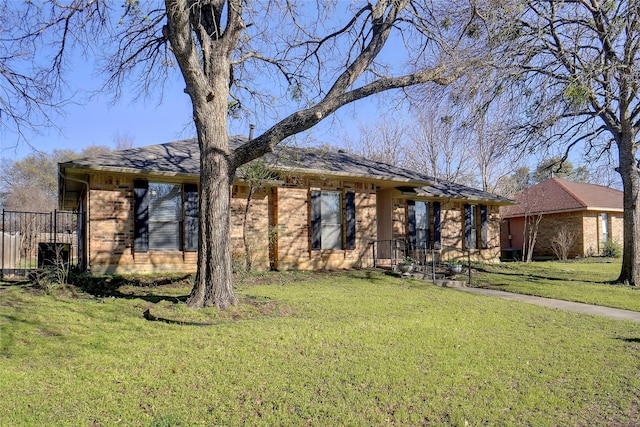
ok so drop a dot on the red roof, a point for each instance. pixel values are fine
(560, 195)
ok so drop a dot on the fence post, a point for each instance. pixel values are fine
(55, 227)
(2, 270)
(373, 251)
(469, 264)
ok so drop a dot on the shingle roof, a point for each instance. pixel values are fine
(447, 189)
(560, 195)
(183, 157)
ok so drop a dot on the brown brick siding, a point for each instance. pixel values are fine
(294, 246)
(110, 228)
(257, 227)
(586, 225)
(452, 230)
(110, 222)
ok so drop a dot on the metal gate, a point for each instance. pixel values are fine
(34, 240)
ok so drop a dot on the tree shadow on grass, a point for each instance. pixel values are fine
(630, 340)
(146, 288)
(540, 277)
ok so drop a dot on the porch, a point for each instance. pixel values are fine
(436, 263)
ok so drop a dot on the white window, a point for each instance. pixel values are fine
(331, 225)
(604, 220)
(422, 224)
(165, 216)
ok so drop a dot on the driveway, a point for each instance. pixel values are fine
(595, 310)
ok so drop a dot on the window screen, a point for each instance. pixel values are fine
(165, 216)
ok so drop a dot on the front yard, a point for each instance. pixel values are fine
(587, 281)
(360, 348)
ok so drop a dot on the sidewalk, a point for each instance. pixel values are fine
(595, 310)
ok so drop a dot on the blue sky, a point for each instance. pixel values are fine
(96, 121)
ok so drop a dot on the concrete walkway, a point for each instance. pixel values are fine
(595, 310)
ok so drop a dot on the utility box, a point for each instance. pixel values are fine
(53, 254)
(511, 254)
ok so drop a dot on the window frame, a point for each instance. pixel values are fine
(433, 233)
(346, 215)
(475, 226)
(186, 218)
(604, 224)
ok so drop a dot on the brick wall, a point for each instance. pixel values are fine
(549, 227)
(283, 213)
(110, 228)
(257, 230)
(452, 229)
(617, 227)
(452, 224)
(294, 233)
(585, 225)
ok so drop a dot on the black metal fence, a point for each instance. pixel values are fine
(434, 262)
(33, 240)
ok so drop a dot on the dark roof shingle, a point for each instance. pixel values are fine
(183, 158)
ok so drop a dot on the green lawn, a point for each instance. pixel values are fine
(357, 349)
(587, 281)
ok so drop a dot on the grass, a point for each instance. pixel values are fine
(588, 281)
(354, 349)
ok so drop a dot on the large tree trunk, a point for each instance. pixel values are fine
(630, 271)
(206, 75)
(213, 283)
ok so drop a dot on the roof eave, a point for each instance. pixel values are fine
(130, 171)
(609, 209)
(533, 213)
(395, 180)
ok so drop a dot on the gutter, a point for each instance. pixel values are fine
(65, 177)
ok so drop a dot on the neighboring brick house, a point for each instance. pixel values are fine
(593, 213)
(322, 209)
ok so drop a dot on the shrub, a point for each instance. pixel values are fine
(562, 243)
(48, 279)
(612, 249)
(54, 274)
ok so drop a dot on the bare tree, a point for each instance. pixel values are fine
(123, 141)
(563, 241)
(531, 202)
(575, 67)
(439, 145)
(490, 146)
(31, 183)
(518, 180)
(256, 174)
(530, 231)
(382, 141)
(32, 88)
(313, 55)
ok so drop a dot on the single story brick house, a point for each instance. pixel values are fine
(321, 209)
(593, 213)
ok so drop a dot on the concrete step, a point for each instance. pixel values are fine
(450, 283)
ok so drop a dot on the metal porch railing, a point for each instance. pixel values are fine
(434, 262)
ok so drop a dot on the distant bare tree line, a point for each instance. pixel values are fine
(30, 184)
